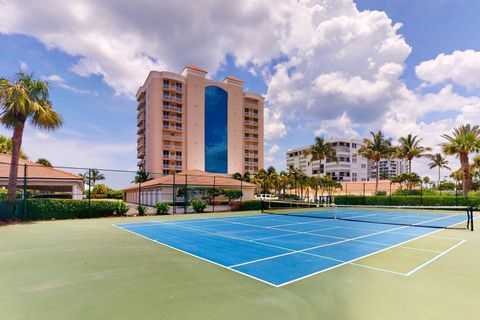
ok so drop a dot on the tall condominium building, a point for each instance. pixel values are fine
(186, 121)
(389, 168)
(350, 166)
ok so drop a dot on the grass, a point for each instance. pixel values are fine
(88, 269)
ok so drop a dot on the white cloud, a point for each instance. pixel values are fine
(59, 81)
(461, 68)
(274, 127)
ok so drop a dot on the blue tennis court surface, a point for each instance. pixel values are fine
(280, 249)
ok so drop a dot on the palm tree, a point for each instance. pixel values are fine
(44, 162)
(294, 175)
(440, 162)
(375, 149)
(321, 150)
(25, 99)
(283, 180)
(92, 176)
(410, 148)
(6, 147)
(464, 140)
(141, 176)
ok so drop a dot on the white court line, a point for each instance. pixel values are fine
(193, 255)
(434, 258)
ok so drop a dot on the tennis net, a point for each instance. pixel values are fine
(421, 216)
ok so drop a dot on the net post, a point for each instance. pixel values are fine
(471, 219)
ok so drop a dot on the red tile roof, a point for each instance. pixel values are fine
(195, 178)
(34, 170)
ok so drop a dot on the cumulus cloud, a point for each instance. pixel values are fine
(23, 65)
(461, 68)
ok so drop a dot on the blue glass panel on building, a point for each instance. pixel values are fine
(216, 133)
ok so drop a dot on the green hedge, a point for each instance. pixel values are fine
(248, 205)
(47, 209)
(409, 200)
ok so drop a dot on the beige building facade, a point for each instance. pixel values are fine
(186, 121)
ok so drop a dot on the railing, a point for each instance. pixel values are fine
(251, 138)
(167, 117)
(247, 113)
(171, 108)
(248, 121)
(172, 147)
(169, 137)
(172, 128)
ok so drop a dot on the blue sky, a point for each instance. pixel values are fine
(336, 68)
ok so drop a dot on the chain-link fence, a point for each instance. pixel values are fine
(142, 192)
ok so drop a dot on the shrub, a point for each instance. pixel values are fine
(141, 210)
(47, 209)
(381, 193)
(233, 194)
(115, 194)
(162, 208)
(198, 205)
(121, 208)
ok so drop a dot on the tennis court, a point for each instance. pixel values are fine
(279, 249)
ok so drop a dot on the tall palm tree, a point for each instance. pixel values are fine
(438, 161)
(321, 150)
(294, 176)
(24, 99)
(375, 149)
(464, 140)
(410, 148)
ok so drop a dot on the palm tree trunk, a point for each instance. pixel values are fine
(376, 175)
(16, 145)
(439, 177)
(466, 173)
(409, 165)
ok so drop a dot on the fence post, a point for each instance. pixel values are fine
(185, 195)
(89, 190)
(364, 200)
(25, 192)
(174, 198)
(421, 194)
(213, 198)
(390, 196)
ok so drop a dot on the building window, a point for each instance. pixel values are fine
(354, 145)
(354, 159)
(216, 135)
(364, 165)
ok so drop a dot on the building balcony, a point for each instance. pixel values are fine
(141, 103)
(250, 114)
(172, 98)
(170, 146)
(251, 104)
(172, 108)
(251, 122)
(172, 118)
(141, 152)
(172, 128)
(140, 162)
(250, 138)
(250, 130)
(141, 129)
(172, 166)
(172, 137)
(251, 147)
